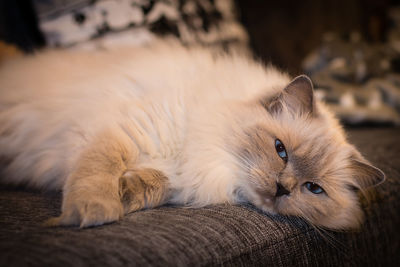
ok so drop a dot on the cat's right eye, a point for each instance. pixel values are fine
(281, 150)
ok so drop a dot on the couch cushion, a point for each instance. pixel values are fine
(221, 234)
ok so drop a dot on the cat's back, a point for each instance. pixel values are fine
(163, 68)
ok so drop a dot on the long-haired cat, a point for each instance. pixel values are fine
(133, 128)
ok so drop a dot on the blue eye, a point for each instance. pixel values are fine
(314, 188)
(280, 149)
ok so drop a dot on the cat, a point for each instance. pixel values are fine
(127, 129)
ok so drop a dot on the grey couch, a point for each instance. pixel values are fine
(227, 235)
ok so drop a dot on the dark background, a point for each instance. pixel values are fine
(282, 32)
(285, 31)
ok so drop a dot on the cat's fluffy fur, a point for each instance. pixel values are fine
(126, 129)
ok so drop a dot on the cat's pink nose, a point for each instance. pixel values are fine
(281, 190)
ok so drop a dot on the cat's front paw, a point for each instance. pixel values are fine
(142, 188)
(87, 211)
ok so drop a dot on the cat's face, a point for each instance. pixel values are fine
(297, 162)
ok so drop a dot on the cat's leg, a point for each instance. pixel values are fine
(91, 193)
(143, 188)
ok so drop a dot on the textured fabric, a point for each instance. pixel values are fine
(227, 235)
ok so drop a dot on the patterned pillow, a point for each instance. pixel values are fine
(107, 22)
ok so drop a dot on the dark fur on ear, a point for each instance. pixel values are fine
(366, 175)
(298, 97)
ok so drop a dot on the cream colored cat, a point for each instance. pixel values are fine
(132, 128)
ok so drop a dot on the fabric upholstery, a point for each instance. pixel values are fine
(238, 235)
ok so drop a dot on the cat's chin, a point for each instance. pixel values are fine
(268, 209)
(273, 205)
(267, 204)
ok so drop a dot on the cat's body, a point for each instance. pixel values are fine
(127, 129)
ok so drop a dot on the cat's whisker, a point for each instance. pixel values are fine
(326, 236)
(330, 239)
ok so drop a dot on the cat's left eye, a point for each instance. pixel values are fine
(281, 150)
(314, 188)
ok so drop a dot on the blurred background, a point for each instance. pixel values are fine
(350, 49)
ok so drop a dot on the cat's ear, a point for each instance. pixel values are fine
(365, 174)
(298, 97)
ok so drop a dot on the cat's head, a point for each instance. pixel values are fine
(296, 161)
